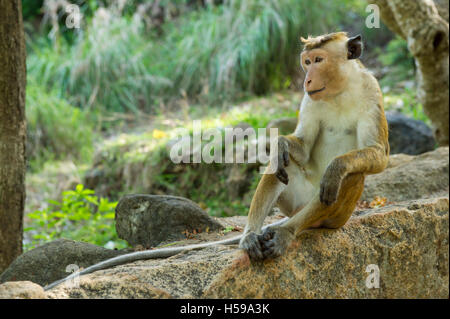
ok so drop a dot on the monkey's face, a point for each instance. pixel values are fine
(324, 75)
(328, 68)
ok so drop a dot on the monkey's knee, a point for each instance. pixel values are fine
(351, 190)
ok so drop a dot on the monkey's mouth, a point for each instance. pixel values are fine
(315, 91)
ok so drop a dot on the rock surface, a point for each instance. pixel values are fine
(21, 290)
(148, 220)
(408, 242)
(411, 177)
(47, 263)
(408, 136)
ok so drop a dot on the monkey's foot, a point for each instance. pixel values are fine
(251, 243)
(275, 241)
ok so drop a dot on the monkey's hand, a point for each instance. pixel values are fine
(330, 184)
(275, 241)
(250, 243)
(281, 160)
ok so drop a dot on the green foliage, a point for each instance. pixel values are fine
(227, 229)
(217, 202)
(79, 216)
(220, 52)
(407, 103)
(413, 107)
(31, 8)
(55, 129)
(399, 59)
(397, 53)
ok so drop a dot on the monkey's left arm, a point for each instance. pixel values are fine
(370, 158)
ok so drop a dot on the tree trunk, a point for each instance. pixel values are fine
(12, 130)
(426, 32)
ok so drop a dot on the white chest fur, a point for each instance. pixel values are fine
(336, 136)
(335, 127)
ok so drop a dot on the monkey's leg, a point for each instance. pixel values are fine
(270, 191)
(351, 189)
(275, 240)
(267, 192)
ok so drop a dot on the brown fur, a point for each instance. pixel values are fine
(311, 43)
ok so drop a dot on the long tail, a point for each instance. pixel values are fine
(149, 254)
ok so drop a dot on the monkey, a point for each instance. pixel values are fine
(341, 136)
(149, 254)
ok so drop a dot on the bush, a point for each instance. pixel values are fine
(79, 216)
(400, 60)
(55, 129)
(31, 9)
(407, 103)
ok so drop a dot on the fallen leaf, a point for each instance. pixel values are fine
(378, 202)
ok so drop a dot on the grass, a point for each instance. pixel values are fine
(55, 129)
(219, 53)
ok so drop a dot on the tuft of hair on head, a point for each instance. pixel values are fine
(316, 42)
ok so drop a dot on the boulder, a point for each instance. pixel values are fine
(408, 136)
(21, 290)
(148, 220)
(403, 248)
(410, 177)
(47, 263)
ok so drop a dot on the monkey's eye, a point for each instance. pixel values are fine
(318, 59)
(307, 62)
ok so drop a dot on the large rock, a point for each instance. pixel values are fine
(148, 220)
(406, 242)
(410, 177)
(47, 263)
(408, 136)
(21, 290)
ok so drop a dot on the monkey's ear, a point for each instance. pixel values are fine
(354, 47)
